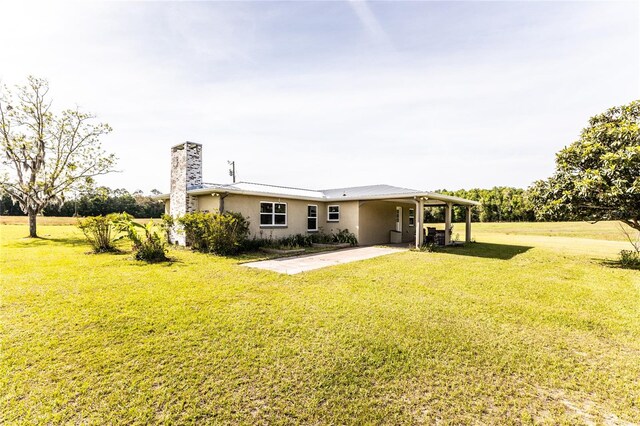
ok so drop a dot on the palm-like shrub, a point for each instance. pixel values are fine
(147, 240)
(98, 230)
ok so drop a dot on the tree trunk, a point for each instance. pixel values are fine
(633, 223)
(32, 223)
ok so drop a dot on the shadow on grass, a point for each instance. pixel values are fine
(617, 264)
(486, 250)
(169, 261)
(41, 241)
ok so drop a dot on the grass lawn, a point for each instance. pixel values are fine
(50, 220)
(520, 327)
(607, 230)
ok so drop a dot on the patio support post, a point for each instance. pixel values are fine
(468, 229)
(447, 224)
(419, 217)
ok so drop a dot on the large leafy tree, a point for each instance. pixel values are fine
(598, 176)
(45, 155)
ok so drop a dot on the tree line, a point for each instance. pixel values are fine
(499, 204)
(98, 201)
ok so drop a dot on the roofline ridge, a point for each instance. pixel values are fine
(369, 186)
(216, 184)
(278, 186)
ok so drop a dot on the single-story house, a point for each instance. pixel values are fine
(376, 214)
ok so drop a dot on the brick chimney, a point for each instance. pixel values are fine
(186, 173)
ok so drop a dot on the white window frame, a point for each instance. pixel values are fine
(329, 213)
(312, 217)
(273, 215)
(412, 217)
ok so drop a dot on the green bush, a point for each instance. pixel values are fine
(98, 230)
(322, 238)
(148, 245)
(285, 243)
(167, 225)
(344, 236)
(300, 240)
(429, 247)
(219, 233)
(295, 241)
(630, 259)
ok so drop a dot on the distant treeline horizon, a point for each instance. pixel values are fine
(499, 204)
(99, 201)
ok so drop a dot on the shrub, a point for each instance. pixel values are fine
(167, 224)
(344, 236)
(98, 232)
(295, 241)
(219, 233)
(630, 259)
(429, 247)
(300, 240)
(322, 238)
(149, 245)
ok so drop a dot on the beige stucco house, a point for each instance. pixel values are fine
(376, 214)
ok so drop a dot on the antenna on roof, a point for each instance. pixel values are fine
(232, 170)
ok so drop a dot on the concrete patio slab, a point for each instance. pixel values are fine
(297, 264)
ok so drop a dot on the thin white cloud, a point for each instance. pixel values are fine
(370, 22)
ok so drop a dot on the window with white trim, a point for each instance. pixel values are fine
(273, 214)
(412, 217)
(333, 213)
(312, 217)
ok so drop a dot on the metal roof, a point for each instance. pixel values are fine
(271, 189)
(370, 192)
(367, 191)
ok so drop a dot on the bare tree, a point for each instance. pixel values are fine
(46, 155)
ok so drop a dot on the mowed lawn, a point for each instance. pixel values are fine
(517, 328)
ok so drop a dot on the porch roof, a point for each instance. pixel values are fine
(370, 192)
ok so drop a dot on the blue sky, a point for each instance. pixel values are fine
(425, 95)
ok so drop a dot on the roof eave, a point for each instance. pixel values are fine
(205, 191)
(426, 195)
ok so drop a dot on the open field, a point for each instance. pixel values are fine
(48, 220)
(519, 327)
(607, 230)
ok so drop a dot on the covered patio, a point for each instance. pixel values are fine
(401, 219)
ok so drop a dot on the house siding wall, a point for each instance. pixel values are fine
(409, 232)
(208, 203)
(378, 218)
(370, 221)
(249, 206)
(349, 217)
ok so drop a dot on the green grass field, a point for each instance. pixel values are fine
(48, 220)
(600, 231)
(518, 328)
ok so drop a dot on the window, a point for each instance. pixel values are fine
(333, 214)
(412, 217)
(273, 214)
(312, 218)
